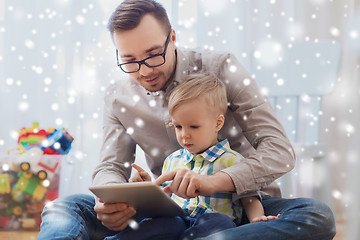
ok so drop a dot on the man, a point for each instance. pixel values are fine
(136, 113)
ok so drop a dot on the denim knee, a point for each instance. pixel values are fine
(78, 198)
(70, 202)
(63, 218)
(325, 216)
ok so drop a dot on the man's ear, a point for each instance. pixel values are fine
(220, 122)
(173, 35)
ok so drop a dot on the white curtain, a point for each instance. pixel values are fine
(57, 58)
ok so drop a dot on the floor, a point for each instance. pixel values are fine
(7, 235)
(340, 231)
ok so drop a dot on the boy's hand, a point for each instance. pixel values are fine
(140, 175)
(264, 218)
(188, 184)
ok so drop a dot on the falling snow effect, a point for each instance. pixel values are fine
(56, 70)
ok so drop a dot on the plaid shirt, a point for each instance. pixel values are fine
(214, 159)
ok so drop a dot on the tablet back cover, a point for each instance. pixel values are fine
(148, 199)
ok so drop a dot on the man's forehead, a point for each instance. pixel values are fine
(148, 28)
(126, 54)
(135, 43)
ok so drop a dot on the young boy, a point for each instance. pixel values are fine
(197, 108)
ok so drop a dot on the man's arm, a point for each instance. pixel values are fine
(251, 114)
(221, 182)
(118, 149)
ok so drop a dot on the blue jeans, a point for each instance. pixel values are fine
(176, 228)
(74, 218)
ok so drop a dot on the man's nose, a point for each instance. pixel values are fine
(145, 70)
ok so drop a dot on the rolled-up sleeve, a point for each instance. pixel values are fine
(272, 154)
(118, 149)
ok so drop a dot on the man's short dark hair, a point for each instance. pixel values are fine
(128, 14)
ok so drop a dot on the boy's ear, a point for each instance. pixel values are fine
(220, 122)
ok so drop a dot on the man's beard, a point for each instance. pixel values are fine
(158, 87)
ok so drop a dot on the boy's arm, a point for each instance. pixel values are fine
(254, 210)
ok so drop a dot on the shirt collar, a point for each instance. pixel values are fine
(211, 154)
(182, 67)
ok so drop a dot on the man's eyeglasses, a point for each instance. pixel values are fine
(153, 61)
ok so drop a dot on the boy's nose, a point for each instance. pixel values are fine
(185, 134)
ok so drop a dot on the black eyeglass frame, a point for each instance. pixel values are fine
(120, 65)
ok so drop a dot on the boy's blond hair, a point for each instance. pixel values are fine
(200, 85)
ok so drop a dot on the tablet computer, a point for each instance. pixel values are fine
(147, 198)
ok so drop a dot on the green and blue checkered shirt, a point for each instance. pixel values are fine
(214, 159)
